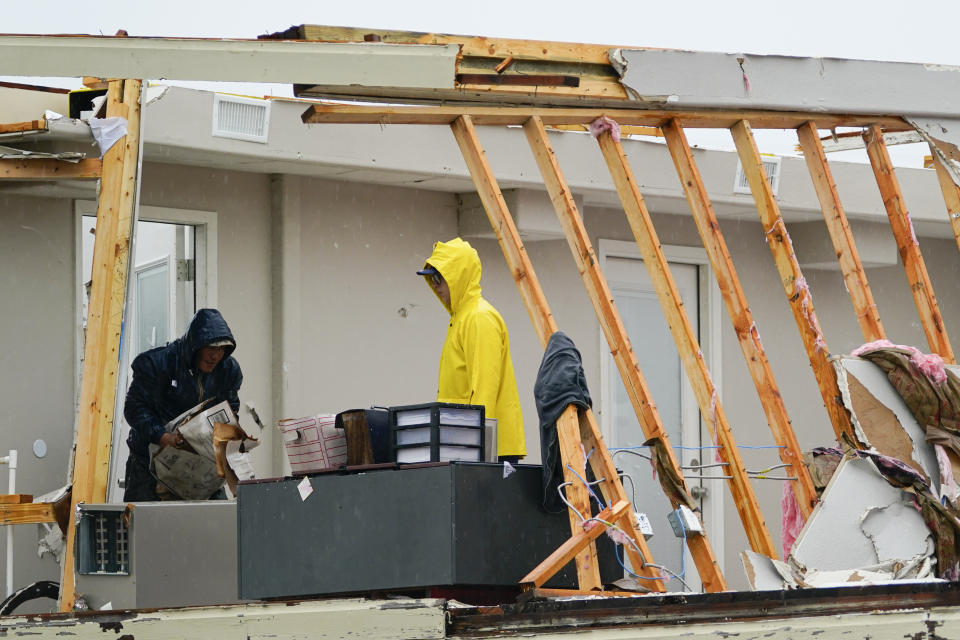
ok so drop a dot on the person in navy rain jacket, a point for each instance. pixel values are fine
(168, 381)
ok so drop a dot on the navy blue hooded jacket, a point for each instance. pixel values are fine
(166, 381)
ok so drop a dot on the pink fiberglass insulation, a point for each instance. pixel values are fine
(618, 535)
(603, 123)
(929, 364)
(792, 518)
(948, 483)
(913, 235)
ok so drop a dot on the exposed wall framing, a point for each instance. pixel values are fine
(672, 124)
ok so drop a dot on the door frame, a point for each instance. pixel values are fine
(710, 326)
(205, 228)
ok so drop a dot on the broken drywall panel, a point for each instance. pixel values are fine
(364, 64)
(766, 574)
(834, 539)
(895, 534)
(858, 577)
(691, 79)
(882, 420)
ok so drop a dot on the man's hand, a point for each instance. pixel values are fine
(171, 440)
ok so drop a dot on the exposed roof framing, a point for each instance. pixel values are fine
(359, 114)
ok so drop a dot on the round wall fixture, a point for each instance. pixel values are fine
(39, 448)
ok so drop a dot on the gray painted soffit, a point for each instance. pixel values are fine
(362, 64)
(691, 79)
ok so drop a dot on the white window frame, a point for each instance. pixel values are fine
(710, 343)
(205, 226)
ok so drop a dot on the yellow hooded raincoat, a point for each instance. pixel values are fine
(475, 365)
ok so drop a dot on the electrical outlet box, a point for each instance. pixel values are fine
(643, 523)
(685, 522)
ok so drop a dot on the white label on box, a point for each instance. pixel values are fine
(305, 488)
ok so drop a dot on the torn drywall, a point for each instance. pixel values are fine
(881, 418)
(834, 537)
(766, 574)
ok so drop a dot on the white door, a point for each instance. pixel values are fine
(662, 369)
(162, 301)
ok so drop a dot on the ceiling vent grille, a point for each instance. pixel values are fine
(241, 118)
(771, 164)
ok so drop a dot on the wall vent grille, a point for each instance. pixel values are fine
(241, 118)
(771, 164)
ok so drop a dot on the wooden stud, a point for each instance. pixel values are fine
(49, 169)
(16, 498)
(30, 513)
(951, 193)
(794, 284)
(616, 334)
(24, 127)
(854, 276)
(473, 46)
(91, 82)
(903, 232)
(612, 490)
(625, 130)
(568, 436)
(741, 317)
(105, 315)
(363, 114)
(545, 326)
(578, 541)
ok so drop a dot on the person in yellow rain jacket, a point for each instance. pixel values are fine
(475, 365)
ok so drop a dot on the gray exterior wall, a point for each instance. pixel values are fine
(37, 356)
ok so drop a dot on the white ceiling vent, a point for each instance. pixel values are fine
(771, 164)
(241, 118)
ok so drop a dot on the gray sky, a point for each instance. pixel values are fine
(918, 31)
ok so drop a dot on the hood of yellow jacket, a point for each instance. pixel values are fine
(459, 264)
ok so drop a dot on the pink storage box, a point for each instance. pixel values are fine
(313, 443)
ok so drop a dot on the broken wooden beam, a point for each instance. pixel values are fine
(29, 513)
(23, 127)
(470, 46)
(49, 169)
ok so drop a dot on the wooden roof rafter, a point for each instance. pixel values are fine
(555, 116)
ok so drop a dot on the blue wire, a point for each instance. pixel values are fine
(589, 488)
